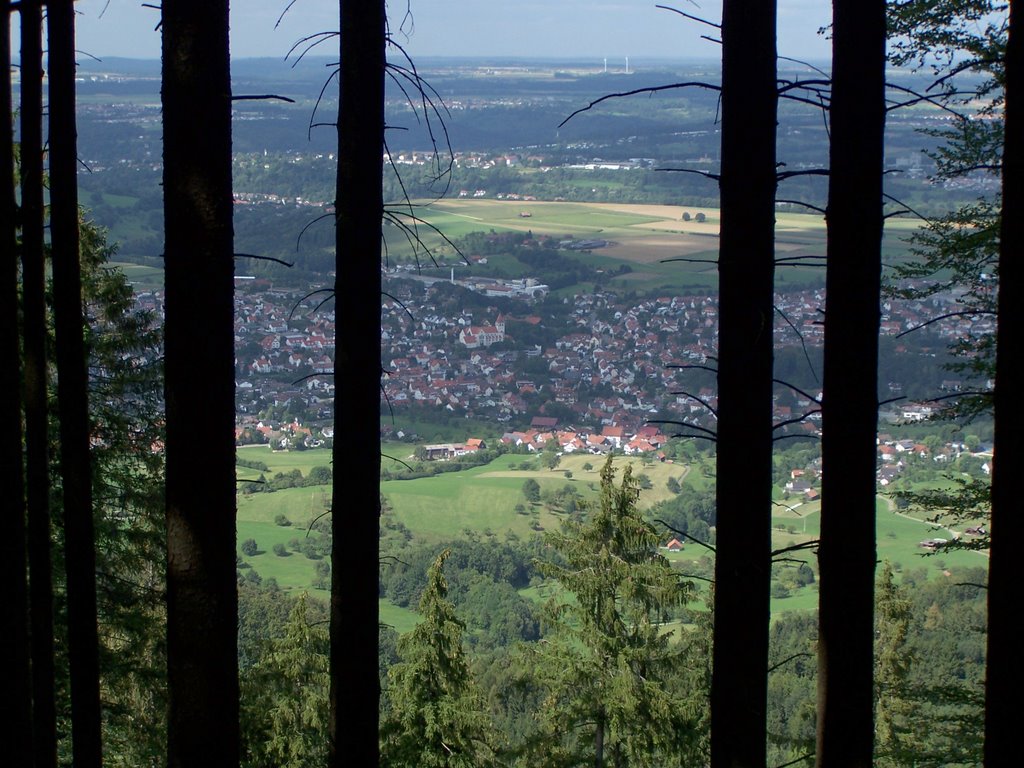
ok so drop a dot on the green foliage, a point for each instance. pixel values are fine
(126, 410)
(249, 547)
(608, 661)
(892, 668)
(285, 696)
(531, 490)
(319, 475)
(280, 549)
(436, 716)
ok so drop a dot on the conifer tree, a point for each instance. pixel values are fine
(37, 442)
(608, 664)
(436, 717)
(288, 696)
(746, 275)
(846, 552)
(72, 389)
(355, 520)
(15, 671)
(892, 667)
(202, 600)
(1004, 664)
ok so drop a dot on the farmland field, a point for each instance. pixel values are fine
(662, 249)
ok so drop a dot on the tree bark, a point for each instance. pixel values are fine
(37, 442)
(355, 686)
(16, 675)
(846, 554)
(746, 306)
(202, 602)
(72, 390)
(1004, 674)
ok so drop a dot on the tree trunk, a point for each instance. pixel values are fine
(72, 390)
(744, 464)
(202, 602)
(355, 686)
(37, 442)
(16, 676)
(1004, 674)
(846, 554)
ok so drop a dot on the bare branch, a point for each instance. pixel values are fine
(700, 400)
(796, 548)
(946, 316)
(788, 659)
(308, 295)
(796, 389)
(263, 258)
(650, 89)
(822, 211)
(705, 174)
(781, 176)
(684, 534)
(796, 420)
(803, 343)
(806, 64)
(688, 16)
(263, 97)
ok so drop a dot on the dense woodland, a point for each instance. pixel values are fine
(132, 636)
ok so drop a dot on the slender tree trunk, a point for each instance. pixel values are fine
(355, 686)
(44, 727)
(202, 601)
(599, 739)
(72, 390)
(846, 554)
(746, 305)
(16, 676)
(1004, 674)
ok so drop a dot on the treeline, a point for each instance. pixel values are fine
(318, 476)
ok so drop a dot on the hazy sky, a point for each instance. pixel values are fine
(541, 28)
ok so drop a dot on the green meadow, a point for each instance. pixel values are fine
(301, 506)
(485, 499)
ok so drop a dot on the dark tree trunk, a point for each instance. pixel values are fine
(355, 686)
(202, 601)
(72, 390)
(846, 554)
(744, 477)
(15, 679)
(1004, 674)
(44, 726)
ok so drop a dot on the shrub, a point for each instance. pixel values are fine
(282, 521)
(250, 547)
(280, 549)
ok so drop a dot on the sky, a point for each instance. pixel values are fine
(578, 29)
